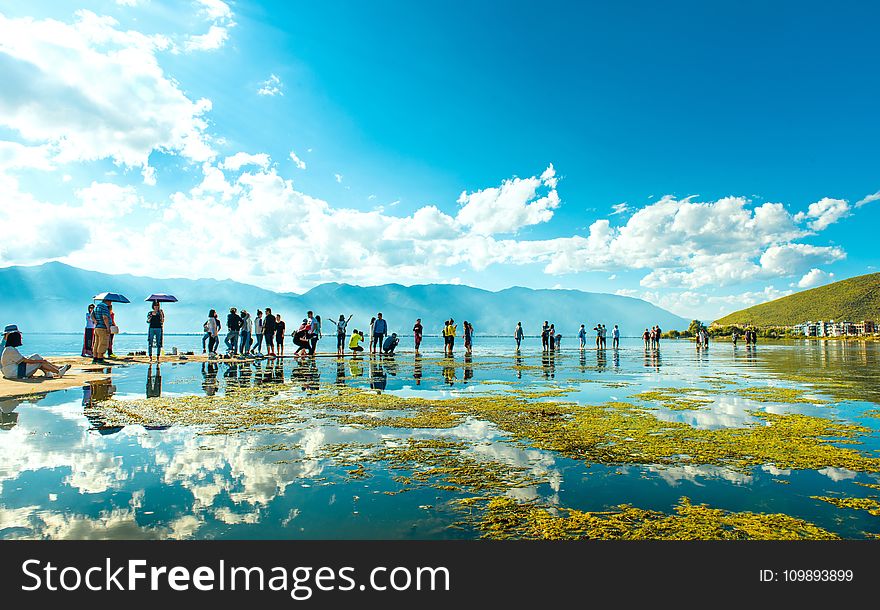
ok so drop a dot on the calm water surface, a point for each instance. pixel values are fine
(63, 475)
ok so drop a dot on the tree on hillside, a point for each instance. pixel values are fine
(694, 328)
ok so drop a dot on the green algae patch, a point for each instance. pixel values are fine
(505, 518)
(779, 395)
(239, 410)
(872, 506)
(676, 399)
(436, 463)
(435, 418)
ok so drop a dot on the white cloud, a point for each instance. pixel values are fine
(815, 277)
(241, 159)
(210, 41)
(91, 91)
(868, 199)
(513, 205)
(18, 156)
(297, 161)
(338, 178)
(271, 86)
(127, 2)
(619, 208)
(824, 213)
(215, 10)
(107, 200)
(220, 15)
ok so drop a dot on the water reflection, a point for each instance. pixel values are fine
(154, 382)
(8, 416)
(136, 482)
(417, 369)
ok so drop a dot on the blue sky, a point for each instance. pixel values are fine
(703, 157)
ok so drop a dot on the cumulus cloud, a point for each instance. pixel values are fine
(90, 90)
(271, 86)
(515, 204)
(823, 213)
(220, 15)
(868, 199)
(815, 277)
(213, 39)
(240, 159)
(300, 164)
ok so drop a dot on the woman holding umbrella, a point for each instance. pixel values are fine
(104, 324)
(156, 323)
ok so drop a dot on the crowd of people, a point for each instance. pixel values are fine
(247, 335)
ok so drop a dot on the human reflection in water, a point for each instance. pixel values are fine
(154, 382)
(468, 366)
(276, 370)
(583, 361)
(355, 367)
(616, 359)
(548, 365)
(378, 377)
(306, 374)
(449, 370)
(417, 369)
(390, 364)
(93, 393)
(340, 371)
(601, 360)
(751, 355)
(517, 363)
(652, 360)
(209, 378)
(8, 415)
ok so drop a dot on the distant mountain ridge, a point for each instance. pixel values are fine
(854, 299)
(53, 297)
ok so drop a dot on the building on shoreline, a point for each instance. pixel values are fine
(832, 328)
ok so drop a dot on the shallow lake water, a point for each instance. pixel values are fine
(66, 472)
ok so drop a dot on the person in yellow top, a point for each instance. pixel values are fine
(449, 334)
(354, 342)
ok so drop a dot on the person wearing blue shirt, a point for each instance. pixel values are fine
(615, 337)
(380, 329)
(582, 335)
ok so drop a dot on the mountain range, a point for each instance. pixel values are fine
(853, 299)
(53, 297)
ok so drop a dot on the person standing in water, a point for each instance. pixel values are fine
(380, 329)
(372, 334)
(646, 336)
(545, 334)
(518, 334)
(155, 324)
(417, 333)
(551, 337)
(258, 333)
(279, 335)
(582, 337)
(89, 335)
(341, 325)
(450, 335)
(269, 332)
(615, 337)
(468, 337)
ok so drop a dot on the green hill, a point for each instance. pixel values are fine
(854, 300)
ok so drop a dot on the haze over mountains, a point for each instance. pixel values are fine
(53, 297)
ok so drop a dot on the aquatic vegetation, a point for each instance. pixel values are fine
(872, 506)
(505, 519)
(677, 399)
(440, 464)
(776, 394)
(438, 417)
